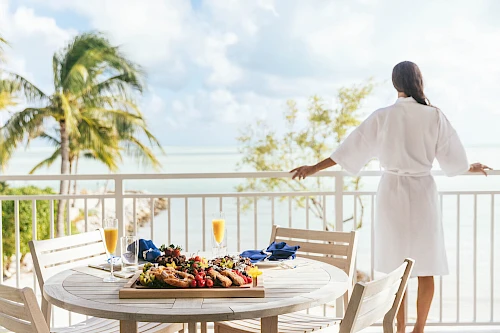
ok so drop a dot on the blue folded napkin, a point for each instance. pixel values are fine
(279, 251)
(147, 250)
(254, 255)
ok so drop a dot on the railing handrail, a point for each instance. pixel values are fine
(208, 175)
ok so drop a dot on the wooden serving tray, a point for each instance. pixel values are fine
(132, 290)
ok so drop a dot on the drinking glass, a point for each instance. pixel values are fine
(111, 239)
(219, 241)
(130, 250)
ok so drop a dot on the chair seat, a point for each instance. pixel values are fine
(101, 325)
(294, 322)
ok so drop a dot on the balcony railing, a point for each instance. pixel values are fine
(468, 296)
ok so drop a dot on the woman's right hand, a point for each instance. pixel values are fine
(303, 171)
(478, 167)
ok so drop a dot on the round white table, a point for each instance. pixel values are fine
(310, 283)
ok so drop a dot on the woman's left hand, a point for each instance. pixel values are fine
(303, 171)
(478, 167)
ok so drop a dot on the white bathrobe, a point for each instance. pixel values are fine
(406, 137)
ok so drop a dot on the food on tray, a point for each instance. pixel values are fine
(171, 250)
(232, 262)
(235, 278)
(174, 271)
(221, 279)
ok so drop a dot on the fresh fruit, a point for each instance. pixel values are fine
(250, 280)
(193, 284)
(145, 279)
(254, 272)
(194, 265)
(146, 266)
(197, 258)
(198, 277)
(209, 283)
(195, 272)
(201, 283)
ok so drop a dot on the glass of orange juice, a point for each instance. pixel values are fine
(219, 241)
(111, 239)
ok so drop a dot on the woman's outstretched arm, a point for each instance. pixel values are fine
(307, 170)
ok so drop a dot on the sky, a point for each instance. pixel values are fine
(215, 66)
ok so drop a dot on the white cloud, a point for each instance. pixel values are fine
(33, 40)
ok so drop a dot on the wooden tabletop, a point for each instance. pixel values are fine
(310, 284)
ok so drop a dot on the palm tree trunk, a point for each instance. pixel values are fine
(74, 181)
(64, 183)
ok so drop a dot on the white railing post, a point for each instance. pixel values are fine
(119, 207)
(339, 201)
(339, 221)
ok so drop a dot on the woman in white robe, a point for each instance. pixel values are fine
(406, 137)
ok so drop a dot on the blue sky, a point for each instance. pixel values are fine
(214, 66)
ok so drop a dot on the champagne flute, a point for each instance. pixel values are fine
(111, 239)
(219, 234)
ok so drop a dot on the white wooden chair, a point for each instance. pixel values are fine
(52, 256)
(369, 303)
(332, 247)
(19, 311)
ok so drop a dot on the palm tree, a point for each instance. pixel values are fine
(94, 89)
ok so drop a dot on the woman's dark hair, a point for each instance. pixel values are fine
(407, 78)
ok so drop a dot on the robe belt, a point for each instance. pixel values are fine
(406, 174)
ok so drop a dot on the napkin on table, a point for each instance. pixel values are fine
(147, 250)
(278, 251)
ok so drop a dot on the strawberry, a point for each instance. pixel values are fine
(201, 283)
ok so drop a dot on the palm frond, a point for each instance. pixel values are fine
(47, 162)
(51, 139)
(56, 70)
(14, 83)
(17, 128)
(4, 42)
(6, 100)
(93, 52)
(142, 153)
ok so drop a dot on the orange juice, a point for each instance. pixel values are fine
(111, 238)
(219, 226)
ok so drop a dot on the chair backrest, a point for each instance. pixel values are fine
(19, 311)
(55, 255)
(332, 247)
(377, 299)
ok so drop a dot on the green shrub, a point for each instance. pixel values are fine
(25, 218)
